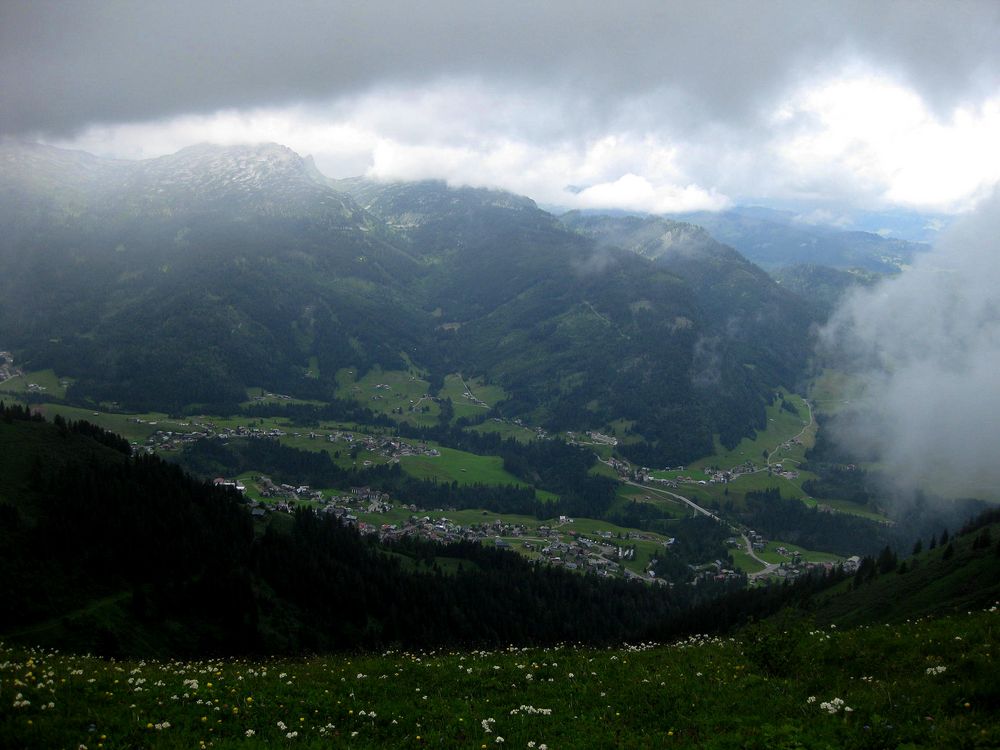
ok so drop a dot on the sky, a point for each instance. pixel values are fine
(833, 107)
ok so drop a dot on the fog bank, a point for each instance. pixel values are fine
(927, 346)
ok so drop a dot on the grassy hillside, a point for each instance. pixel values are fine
(927, 684)
(954, 577)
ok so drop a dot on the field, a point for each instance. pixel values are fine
(768, 445)
(42, 382)
(505, 430)
(771, 554)
(744, 562)
(459, 466)
(481, 398)
(790, 684)
(404, 396)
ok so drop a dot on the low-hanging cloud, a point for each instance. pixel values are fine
(647, 105)
(927, 346)
(66, 65)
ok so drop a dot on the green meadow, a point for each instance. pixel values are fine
(402, 395)
(930, 683)
(769, 443)
(46, 383)
(459, 466)
(483, 395)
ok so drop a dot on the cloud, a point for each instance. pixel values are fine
(66, 65)
(926, 346)
(636, 193)
(668, 105)
(879, 137)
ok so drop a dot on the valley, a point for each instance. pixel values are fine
(499, 375)
(353, 417)
(712, 486)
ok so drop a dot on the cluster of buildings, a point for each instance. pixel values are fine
(7, 368)
(595, 438)
(390, 448)
(545, 543)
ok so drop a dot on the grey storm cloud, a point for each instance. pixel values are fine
(65, 65)
(925, 346)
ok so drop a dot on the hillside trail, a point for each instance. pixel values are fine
(800, 433)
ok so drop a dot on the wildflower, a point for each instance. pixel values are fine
(250, 733)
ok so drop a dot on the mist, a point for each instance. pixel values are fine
(926, 347)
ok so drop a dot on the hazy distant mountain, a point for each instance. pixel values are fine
(184, 279)
(180, 281)
(774, 239)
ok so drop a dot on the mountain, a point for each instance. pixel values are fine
(681, 345)
(179, 282)
(184, 279)
(774, 239)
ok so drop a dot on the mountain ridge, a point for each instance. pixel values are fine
(215, 269)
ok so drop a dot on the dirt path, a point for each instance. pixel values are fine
(800, 433)
(466, 389)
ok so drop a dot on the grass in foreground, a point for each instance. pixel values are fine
(930, 683)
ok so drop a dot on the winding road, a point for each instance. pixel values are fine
(768, 569)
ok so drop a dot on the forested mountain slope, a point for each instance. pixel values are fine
(179, 282)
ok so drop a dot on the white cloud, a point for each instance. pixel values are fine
(856, 140)
(632, 191)
(926, 346)
(871, 135)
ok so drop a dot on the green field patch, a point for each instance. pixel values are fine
(628, 493)
(459, 466)
(263, 396)
(133, 427)
(721, 692)
(400, 394)
(345, 455)
(470, 397)
(760, 481)
(39, 382)
(782, 426)
(770, 553)
(505, 430)
(846, 506)
(744, 562)
(601, 469)
(675, 474)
